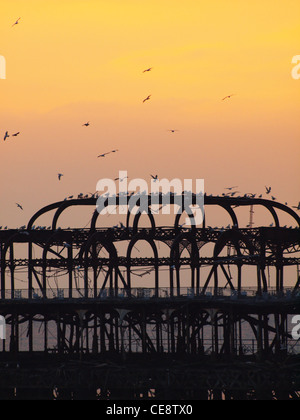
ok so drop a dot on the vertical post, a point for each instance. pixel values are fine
(198, 280)
(70, 270)
(172, 281)
(46, 336)
(178, 279)
(266, 334)
(216, 282)
(193, 279)
(30, 263)
(156, 279)
(12, 271)
(239, 278)
(144, 348)
(30, 333)
(102, 333)
(2, 274)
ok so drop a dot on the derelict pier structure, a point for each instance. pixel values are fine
(98, 317)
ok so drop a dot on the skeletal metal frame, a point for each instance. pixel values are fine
(174, 324)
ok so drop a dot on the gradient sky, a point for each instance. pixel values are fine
(72, 61)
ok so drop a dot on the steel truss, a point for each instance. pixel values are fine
(206, 311)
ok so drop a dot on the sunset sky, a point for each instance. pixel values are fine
(73, 61)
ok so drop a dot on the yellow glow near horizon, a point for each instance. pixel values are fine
(71, 51)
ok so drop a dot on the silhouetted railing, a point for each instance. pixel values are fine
(148, 293)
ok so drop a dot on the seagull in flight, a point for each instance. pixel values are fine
(147, 99)
(19, 206)
(297, 207)
(104, 154)
(6, 136)
(16, 134)
(173, 131)
(268, 190)
(150, 68)
(86, 124)
(231, 188)
(16, 22)
(60, 176)
(108, 153)
(228, 96)
(155, 177)
(121, 179)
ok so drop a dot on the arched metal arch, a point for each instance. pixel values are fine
(142, 236)
(226, 202)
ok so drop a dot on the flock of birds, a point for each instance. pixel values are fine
(155, 178)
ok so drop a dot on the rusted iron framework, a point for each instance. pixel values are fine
(205, 310)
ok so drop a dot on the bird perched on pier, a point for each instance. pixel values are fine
(268, 190)
(297, 207)
(147, 99)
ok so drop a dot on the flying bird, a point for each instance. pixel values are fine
(121, 179)
(6, 136)
(86, 124)
(147, 99)
(104, 154)
(16, 134)
(150, 68)
(60, 176)
(155, 177)
(16, 22)
(231, 188)
(173, 131)
(108, 153)
(19, 206)
(228, 96)
(297, 207)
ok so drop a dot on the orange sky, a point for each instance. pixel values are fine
(72, 61)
